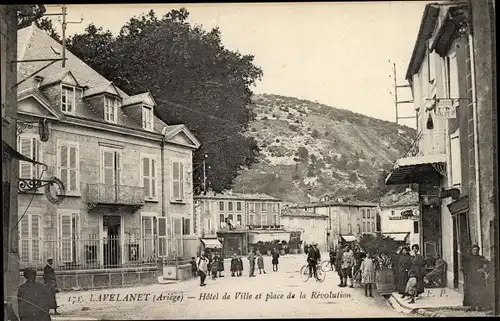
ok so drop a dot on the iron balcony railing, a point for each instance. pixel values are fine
(115, 194)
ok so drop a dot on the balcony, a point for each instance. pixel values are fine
(266, 227)
(103, 194)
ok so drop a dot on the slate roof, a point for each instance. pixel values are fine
(406, 198)
(352, 203)
(34, 43)
(238, 196)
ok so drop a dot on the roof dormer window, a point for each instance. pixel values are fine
(147, 117)
(111, 109)
(68, 99)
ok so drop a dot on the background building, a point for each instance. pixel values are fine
(399, 214)
(312, 226)
(347, 220)
(233, 221)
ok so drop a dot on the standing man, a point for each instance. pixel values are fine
(338, 263)
(251, 262)
(202, 265)
(474, 266)
(49, 279)
(33, 299)
(347, 265)
(313, 257)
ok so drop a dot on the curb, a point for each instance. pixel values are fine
(73, 318)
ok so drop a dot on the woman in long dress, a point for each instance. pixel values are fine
(474, 278)
(404, 264)
(418, 265)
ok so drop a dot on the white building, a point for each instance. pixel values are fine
(312, 226)
(399, 217)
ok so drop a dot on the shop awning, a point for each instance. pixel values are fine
(416, 169)
(212, 243)
(12, 152)
(349, 238)
(398, 237)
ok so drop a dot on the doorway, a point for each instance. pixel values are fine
(461, 244)
(111, 246)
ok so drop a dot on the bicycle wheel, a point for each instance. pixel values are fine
(325, 266)
(304, 273)
(321, 274)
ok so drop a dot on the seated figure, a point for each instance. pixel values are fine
(436, 277)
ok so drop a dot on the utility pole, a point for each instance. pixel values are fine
(64, 25)
(205, 174)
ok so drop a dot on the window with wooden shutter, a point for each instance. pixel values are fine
(149, 177)
(263, 219)
(162, 236)
(148, 234)
(30, 239)
(69, 165)
(29, 146)
(147, 117)
(456, 164)
(238, 206)
(238, 219)
(67, 235)
(263, 207)
(186, 226)
(177, 181)
(68, 99)
(111, 164)
(111, 109)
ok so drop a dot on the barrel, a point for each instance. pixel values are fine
(384, 281)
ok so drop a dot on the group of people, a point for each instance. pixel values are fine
(213, 264)
(409, 272)
(35, 299)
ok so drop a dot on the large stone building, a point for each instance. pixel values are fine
(347, 220)
(452, 74)
(126, 174)
(235, 221)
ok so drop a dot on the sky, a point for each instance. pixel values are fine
(340, 54)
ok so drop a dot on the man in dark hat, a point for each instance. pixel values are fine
(49, 278)
(33, 299)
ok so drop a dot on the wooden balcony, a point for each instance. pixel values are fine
(103, 194)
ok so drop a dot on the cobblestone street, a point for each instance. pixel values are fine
(316, 303)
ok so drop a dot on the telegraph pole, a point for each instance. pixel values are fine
(205, 174)
(64, 25)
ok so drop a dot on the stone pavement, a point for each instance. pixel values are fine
(188, 300)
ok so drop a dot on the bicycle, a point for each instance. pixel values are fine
(326, 266)
(304, 273)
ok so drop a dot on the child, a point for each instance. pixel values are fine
(275, 260)
(367, 268)
(260, 263)
(214, 266)
(411, 287)
(234, 265)
(194, 267)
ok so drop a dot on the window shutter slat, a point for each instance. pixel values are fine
(25, 148)
(118, 168)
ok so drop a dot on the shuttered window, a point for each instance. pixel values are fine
(251, 206)
(29, 146)
(456, 164)
(238, 206)
(251, 219)
(30, 238)
(263, 219)
(230, 206)
(207, 225)
(68, 233)
(111, 164)
(178, 181)
(186, 226)
(263, 207)
(148, 232)
(238, 219)
(68, 160)
(149, 177)
(162, 236)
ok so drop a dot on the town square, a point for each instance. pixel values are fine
(253, 160)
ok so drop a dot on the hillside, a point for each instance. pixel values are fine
(312, 149)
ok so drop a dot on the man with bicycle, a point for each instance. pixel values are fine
(313, 257)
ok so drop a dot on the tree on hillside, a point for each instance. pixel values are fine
(195, 81)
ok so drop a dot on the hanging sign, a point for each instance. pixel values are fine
(445, 108)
